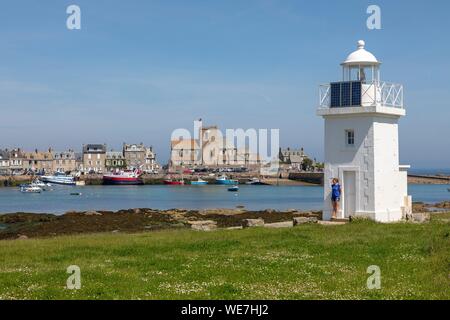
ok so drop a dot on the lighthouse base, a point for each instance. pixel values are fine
(385, 216)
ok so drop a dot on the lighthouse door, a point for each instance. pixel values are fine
(349, 193)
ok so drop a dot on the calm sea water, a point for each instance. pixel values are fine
(59, 199)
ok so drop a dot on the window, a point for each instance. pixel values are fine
(350, 137)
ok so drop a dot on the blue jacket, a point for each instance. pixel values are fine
(336, 191)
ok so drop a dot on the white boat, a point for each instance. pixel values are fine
(59, 179)
(253, 181)
(39, 183)
(30, 189)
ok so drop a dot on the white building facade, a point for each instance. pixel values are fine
(361, 116)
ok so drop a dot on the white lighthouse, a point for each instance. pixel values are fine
(361, 115)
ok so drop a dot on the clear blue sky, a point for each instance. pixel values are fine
(139, 69)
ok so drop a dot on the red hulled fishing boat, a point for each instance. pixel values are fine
(127, 177)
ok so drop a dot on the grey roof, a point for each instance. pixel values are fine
(63, 154)
(4, 154)
(78, 156)
(94, 148)
(114, 155)
(288, 151)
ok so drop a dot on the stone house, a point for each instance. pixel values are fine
(292, 157)
(16, 160)
(79, 161)
(115, 160)
(150, 163)
(4, 162)
(64, 161)
(185, 152)
(139, 156)
(38, 161)
(94, 158)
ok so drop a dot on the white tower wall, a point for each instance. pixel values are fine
(341, 158)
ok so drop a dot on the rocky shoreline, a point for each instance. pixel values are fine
(30, 225)
(23, 225)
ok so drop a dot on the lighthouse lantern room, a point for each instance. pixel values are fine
(361, 115)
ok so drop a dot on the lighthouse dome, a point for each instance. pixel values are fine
(360, 57)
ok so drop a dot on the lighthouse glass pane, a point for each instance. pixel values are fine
(354, 73)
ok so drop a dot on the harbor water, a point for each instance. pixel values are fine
(59, 199)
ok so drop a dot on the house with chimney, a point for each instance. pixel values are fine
(115, 160)
(38, 161)
(64, 161)
(4, 162)
(94, 158)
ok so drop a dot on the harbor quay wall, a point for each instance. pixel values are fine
(309, 177)
(299, 178)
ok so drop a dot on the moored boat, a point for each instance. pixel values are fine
(199, 182)
(59, 179)
(127, 177)
(30, 189)
(224, 180)
(253, 181)
(39, 183)
(174, 182)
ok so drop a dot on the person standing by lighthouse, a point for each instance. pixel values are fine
(361, 115)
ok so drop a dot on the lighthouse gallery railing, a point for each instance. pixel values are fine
(367, 94)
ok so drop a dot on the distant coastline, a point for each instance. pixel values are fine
(430, 171)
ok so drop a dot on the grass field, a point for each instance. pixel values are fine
(306, 262)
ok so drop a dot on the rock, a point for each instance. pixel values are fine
(22, 237)
(443, 205)
(92, 213)
(421, 217)
(331, 223)
(204, 225)
(249, 223)
(137, 211)
(234, 228)
(115, 231)
(284, 224)
(303, 220)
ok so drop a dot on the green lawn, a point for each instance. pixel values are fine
(306, 262)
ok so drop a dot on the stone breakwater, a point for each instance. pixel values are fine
(96, 179)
